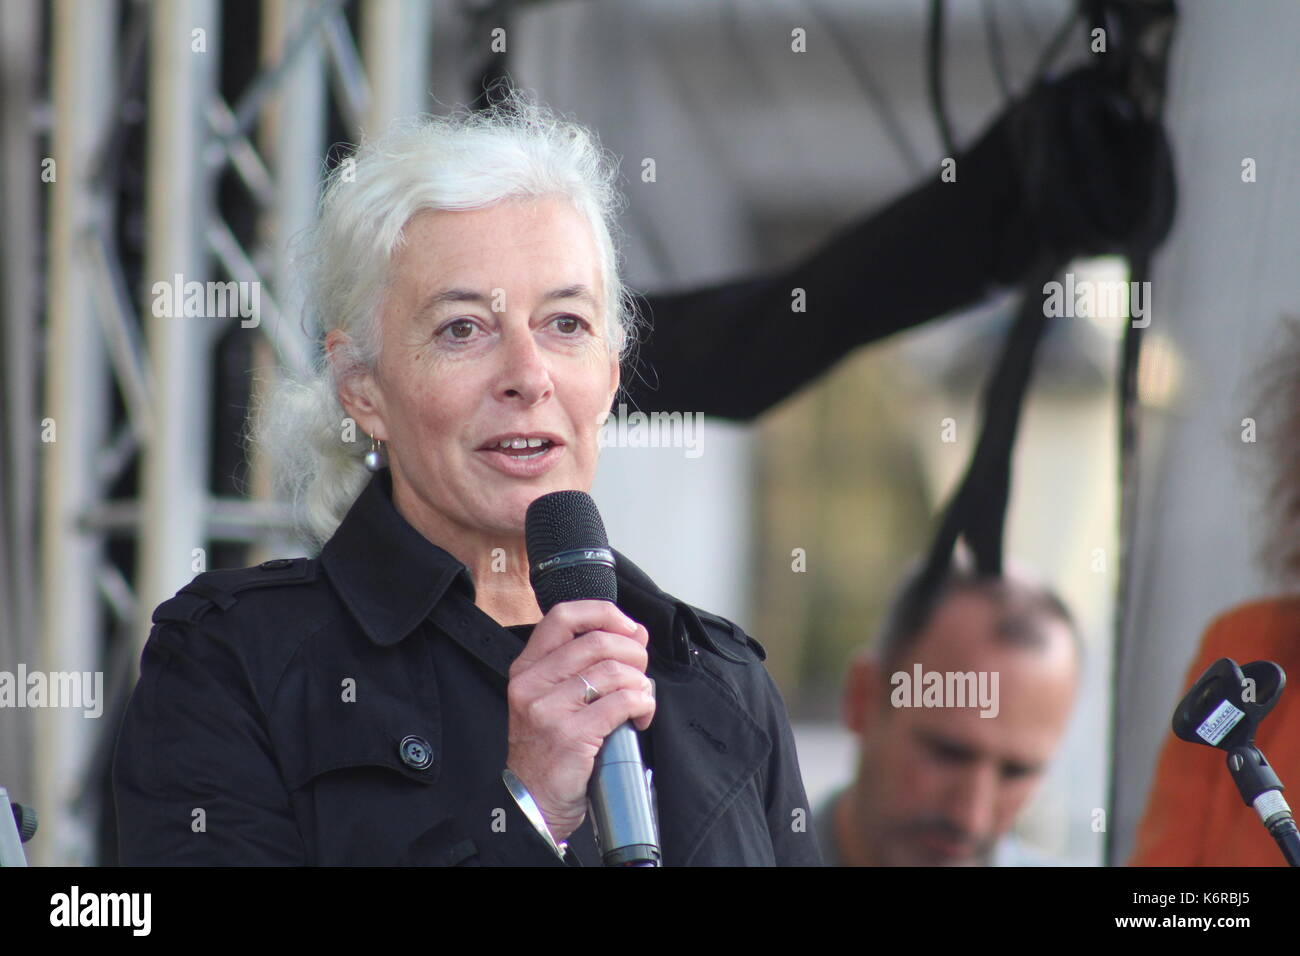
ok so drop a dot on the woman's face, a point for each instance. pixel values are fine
(493, 330)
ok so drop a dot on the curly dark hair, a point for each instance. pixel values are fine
(1280, 384)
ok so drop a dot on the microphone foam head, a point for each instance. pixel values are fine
(562, 522)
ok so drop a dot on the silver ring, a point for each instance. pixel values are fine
(590, 694)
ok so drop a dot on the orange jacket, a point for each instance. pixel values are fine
(1202, 820)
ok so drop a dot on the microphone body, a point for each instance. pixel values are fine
(570, 560)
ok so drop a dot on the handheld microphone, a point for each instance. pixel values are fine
(569, 560)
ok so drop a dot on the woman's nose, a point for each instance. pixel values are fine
(525, 375)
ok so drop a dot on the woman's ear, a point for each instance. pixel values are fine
(358, 392)
(615, 372)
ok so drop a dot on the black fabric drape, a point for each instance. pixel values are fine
(1065, 171)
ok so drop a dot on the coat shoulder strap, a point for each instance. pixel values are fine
(221, 589)
(726, 638)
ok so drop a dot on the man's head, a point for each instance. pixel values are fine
(937, 782)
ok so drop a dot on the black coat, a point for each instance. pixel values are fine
(351, 710)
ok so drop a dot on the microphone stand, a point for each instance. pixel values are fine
(1223, 710)
(1260, 788)
(17, 826)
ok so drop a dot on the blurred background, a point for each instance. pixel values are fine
(148, 139)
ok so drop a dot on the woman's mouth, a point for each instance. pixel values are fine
(523, 456)
(523, 448)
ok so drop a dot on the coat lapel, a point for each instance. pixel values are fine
(706, 749)
(489, 643)
(706, 746)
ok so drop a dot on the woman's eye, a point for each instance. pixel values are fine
(461, 329)
(568, 324)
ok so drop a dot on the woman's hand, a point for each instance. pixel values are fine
(553, 735)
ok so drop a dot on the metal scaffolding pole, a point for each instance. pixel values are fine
(292, 136)
(83, 97)
(20, 166)
(184, 58)
(396, 36)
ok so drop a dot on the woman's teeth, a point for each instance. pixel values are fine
(512, 447)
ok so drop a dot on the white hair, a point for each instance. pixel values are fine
(467, 160)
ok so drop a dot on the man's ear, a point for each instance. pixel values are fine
(862, 690)
(358, 393)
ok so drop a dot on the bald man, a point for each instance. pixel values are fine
(957, 716)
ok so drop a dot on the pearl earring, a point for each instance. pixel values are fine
(374, 459)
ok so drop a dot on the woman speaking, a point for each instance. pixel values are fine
(402, 699)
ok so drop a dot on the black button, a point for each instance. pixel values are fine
(416, 752)
(275, 564)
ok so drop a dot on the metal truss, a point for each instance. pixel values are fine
(102, 334)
